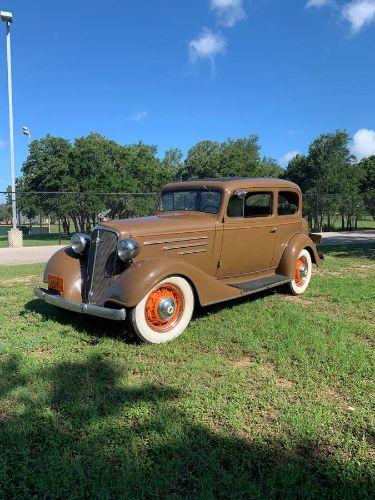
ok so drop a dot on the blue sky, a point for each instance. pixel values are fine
(174, 72)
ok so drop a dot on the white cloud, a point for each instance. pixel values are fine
(359, 14)
(206, 46)
(229, 12)
(2, 144)
(318, 3)
(284, 160)
(138, 116)
(363, 144)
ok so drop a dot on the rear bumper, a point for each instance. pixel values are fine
(80, 307)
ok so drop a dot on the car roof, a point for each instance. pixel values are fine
(233, 183)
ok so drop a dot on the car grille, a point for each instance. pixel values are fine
(101, 264)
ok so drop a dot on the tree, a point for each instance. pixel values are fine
(367, 166)
(92, 165)
(330, 178)
(47, 165)
(45, 169)
(239, 157)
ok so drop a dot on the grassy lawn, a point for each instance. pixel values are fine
(36, 240)
(368, 223)
(269, 397)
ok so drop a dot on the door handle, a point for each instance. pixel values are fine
(273, 230)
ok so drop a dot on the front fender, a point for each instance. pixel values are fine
(140, 277)
(68, 265)
(298, 242)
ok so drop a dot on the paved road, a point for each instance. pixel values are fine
(27, 255)
(349, 237)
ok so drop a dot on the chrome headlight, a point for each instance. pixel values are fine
(79, 242)
(127, 249)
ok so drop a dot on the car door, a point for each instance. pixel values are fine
(249, 233)
(288, 219)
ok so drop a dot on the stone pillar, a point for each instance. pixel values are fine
(15, 238)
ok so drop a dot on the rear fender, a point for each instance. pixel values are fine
(140, 277)
(298, 242)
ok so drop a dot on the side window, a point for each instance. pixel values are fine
(287, 203)
(235, 206)
(258, 205)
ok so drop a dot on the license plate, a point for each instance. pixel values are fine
(55, 283)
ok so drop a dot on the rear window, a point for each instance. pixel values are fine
(288, 203)
(258, 205)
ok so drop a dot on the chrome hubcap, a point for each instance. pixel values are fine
(166, 308)
(303, 271)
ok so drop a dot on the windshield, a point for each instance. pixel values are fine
(198, 200)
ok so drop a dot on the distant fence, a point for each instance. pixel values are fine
(56, 215)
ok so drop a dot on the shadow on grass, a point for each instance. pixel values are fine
(362, 251)
(89, 432)
(95, 328)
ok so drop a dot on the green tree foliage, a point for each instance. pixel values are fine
(239, 157)
(93, 164)
(47, 166)
(331, 179)
(367, 166)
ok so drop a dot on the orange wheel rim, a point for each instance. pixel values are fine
(164, 307)
(301, 271)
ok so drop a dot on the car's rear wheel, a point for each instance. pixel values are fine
(302, 273)
(164, 313)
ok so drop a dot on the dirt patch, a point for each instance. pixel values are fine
(297, 299)
(242, 362)
(19, 280)
(332, 395)
(40, 352)
(270, 371)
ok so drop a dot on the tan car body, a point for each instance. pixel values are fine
(211, 251)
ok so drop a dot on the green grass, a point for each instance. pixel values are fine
(365, 223)
(36, 240)
(269, 397)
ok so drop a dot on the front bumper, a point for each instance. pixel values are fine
(80, 307)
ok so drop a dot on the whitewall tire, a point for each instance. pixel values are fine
(302, 273)
(164, 313)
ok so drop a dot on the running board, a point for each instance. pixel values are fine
(255, 286)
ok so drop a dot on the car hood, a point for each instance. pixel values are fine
(171, 222)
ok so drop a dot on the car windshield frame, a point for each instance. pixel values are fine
(200, 189)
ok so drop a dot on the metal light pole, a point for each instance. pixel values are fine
(7, 18)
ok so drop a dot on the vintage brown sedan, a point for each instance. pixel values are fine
(210, 241)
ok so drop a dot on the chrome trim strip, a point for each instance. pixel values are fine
(80, 307)
(174, 240)
(186, 245)
(91, 278)
(191, 251)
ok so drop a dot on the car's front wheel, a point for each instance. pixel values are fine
(302, 273)
(164, 313)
